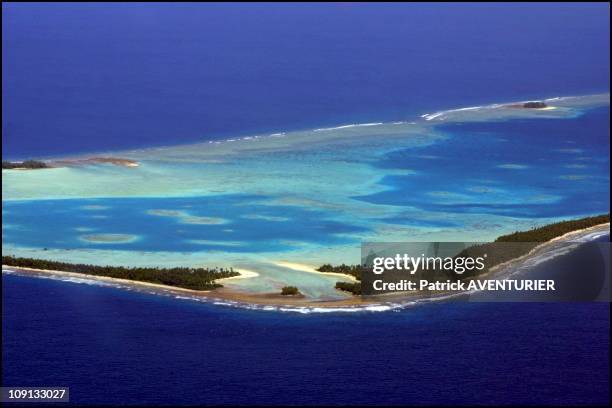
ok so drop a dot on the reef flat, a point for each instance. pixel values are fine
(265, 202)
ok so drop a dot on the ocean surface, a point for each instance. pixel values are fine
(92, 78)
(118, 347)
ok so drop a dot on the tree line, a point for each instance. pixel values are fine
(550, 231)
(180, 277)
(353, 270)
(27, 164)
(524, 241)
(290, 291)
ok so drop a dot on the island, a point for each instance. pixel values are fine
(205, 282)
(24, 165)
(117, 161)
(534, 105)
(496, 255)
(39, 164)
(529, 105)
(185, 278)
(290, 291)
(351, 287)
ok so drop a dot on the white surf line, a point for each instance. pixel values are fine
(431, 116)
(582, 235)
(349, 126)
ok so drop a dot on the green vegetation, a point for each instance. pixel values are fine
(289, 291)
(521, 243)
(354, 288)
(27, 164)
(534, 105)
(516, 245)
(353, 270)
(548, 232)
(187, 278)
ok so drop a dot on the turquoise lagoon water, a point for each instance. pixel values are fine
(312, 197)
(228, 223)
(525, 168)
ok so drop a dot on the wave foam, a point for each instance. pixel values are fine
(432, 116)
(354, 125)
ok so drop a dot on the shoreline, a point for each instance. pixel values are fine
(310, 269)
(263, 299)
(278, 300)
(544, 245)
(500, 271)
(244, 274)
(426, 119)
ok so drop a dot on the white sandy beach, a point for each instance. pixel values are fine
(311, 269)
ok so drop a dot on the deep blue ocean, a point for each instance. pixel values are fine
(119, 347)
(82, 78)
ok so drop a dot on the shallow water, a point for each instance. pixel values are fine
(312, 197)
(525, 168)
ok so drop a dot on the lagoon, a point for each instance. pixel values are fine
(260, 203)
